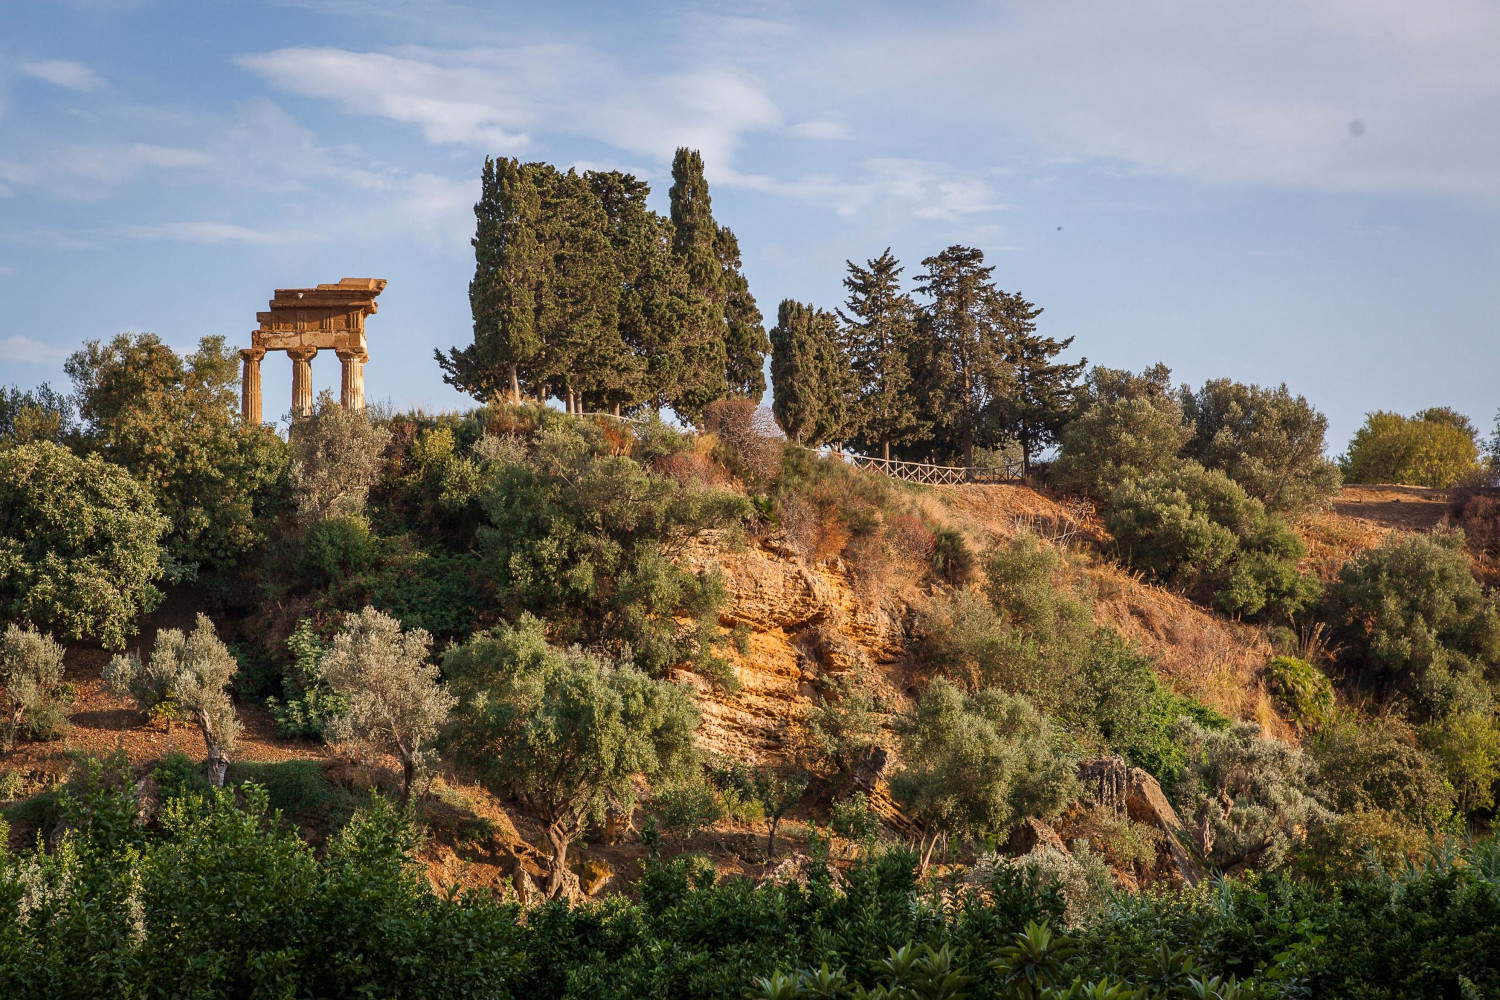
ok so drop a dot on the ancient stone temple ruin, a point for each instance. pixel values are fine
(302, 322)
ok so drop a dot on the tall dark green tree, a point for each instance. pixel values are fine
(579, 319)
(810, 377)
(745, 341)
(964, 369)
(703, 359)
(508, 287)
(1044, 393)
(878, 335)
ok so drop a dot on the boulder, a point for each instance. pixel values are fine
(1129, 790)
(1033, 835)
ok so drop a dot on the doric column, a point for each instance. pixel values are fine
(302, 394)
(352, 386)
(250, 385)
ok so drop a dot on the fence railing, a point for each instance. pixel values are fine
(924, 473)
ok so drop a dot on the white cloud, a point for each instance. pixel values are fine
(63, 73)
(1259, 93)
(820, 128)
(28, 351)
(919, 188)
(211, 233)
(496, 99)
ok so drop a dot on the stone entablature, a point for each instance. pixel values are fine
(302, 322)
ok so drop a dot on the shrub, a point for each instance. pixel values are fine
(1249, 801)
(684, 809)
(187, 673)
(172, 420)
(337, 548)
(1266, 440)
(1373, 764)
(1080, 876)
(309, 707)
(952, 559)
(588, 539)
(79, 544)
(565, 731)
(335, 461)
(1467, 743)
(1196, 529)
(974, 766)
(33, 704)
(1412, 619)
(1128, 426)
(396, 703)
(443, 593)
(838, 732)
(750, 445)
(854, 820)
(40, 414)
(1302, 691)
(1428, 449)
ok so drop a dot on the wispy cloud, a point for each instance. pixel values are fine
(29, 351)
(497, 99)
(211, 233)
(63, 73)
(820, 128)
(920, 188)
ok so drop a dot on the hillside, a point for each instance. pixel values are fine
(804, 623)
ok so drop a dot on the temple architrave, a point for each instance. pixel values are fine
(302, 322)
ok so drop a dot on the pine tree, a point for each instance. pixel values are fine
(702, 359)
(745, 341)
(508, 285)
(962, 349)
(1044, 393)
(879, 328)
(810, 376)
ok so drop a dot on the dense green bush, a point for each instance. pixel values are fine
(1366, 764)
(975, 765)
(1436, 447)
(1128, 426)
(219, 898)
(308, 706)
(1266, 440)
(587, 539)
(1196, 529)
(565, 731)
(79, 544)
(1412, 620)
(172, 420)
(1302, 691)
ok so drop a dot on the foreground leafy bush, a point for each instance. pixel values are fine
(221, 899)
(80, 545)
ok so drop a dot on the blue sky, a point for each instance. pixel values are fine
(1300, 191)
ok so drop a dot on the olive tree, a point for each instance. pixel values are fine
(1127, 425)
(190, 674)
(336, 455)
(80, 544)
(1248, 800)
(396, 704)
(565, 731)
(31, 673)
(1267, 440)
(975, 765)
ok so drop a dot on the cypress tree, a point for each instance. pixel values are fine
(640, 239)
(580, 321)
(745, 343)
(962, 349)
(702, 360)
(879, 329)
(1044, 393)
(508, 286)
(810, 377)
